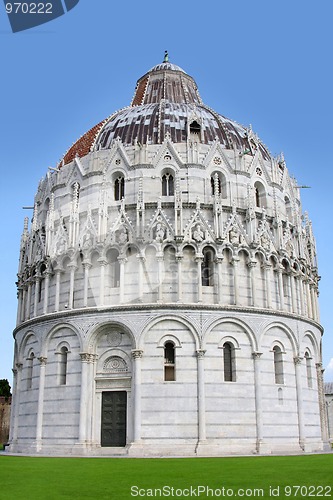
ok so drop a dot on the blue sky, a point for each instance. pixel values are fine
(265, 63)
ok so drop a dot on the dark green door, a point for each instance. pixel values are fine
(114, 406)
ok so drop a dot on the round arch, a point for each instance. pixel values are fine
(247, 330)
(286, 330)
(315, 350)
(172, 317)
(54, 330)
(90, 341)
(27, 336)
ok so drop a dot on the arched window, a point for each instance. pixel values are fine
(195, 131)
(218, 184)
(76, 194)
(278, 365)
(260, 195)
(30, 369)
(119, 188)
(229, 362)
(308, 369)
(207, 267)
(288, 207)
(169, 361)
(167, 184)
(215, 182)
(112, 256)
(41, 283)
(63, 365)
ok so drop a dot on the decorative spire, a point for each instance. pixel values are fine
(166, 57)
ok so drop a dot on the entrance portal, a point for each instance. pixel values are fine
(113, 425)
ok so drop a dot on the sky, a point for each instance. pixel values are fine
(258, 62)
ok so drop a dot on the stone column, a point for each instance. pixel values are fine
(16, 401)
(141, 263)
(219, 262)
(308, 298)
(300, 411)
(268, 290)
(40, 409)
(160, 273)
(122, 261)
(24, 302)
(136, 356)
(281, 293)
(85, 359)
(28, 300)
(258, 399)
(234, 262)
(313, 302)
(201, 396)
(20, 305)
(86, 267)
(179, 259)
(251, 265)
(103, 263)
(37, 288)
(71, 285)
(302, 298)
(46, 291)
(90, 396)
(57, 289)
(322, 405)
(293, 293)
(298, 294)
(199, 264)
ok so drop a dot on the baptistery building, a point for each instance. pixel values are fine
(167, 291)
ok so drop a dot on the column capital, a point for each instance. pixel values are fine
(87, 357)
(102, 262)
(19, 366)
(256, 355)
(298, 360)
(201, 353)
(42, 360)
(137, 353)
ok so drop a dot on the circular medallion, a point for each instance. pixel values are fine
(114, 338)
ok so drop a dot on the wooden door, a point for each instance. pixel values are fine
(113, 425)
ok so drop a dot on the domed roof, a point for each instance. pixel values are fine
(166, 103)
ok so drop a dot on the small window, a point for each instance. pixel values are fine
(229, 362)
(207, 267)
(169, 362)
(114, 268)
(308, 369)
(63, 365)
(167, 185)
(76, 194)
(195, 131)
(30, 369)
(215, 183)
(260, 195)
(119, 188)
(278, 365)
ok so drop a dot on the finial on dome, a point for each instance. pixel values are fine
(166, 56)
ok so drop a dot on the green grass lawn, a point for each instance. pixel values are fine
(111, 478)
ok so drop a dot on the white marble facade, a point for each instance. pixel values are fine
(167, 291)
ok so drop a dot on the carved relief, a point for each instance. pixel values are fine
(115, 364)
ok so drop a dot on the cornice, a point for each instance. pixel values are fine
(149, 307)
